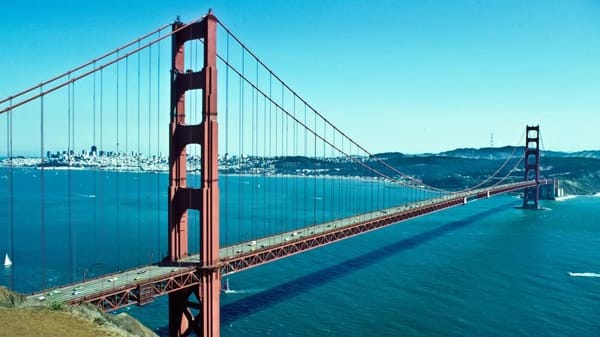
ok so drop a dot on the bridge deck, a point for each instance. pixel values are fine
(140, 285)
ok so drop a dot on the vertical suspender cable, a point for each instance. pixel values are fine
(255, 184)
(226, 180)
(149, 153)
(126, 105)
(264, 180)
(323, 198)
(305, 179)
(334, 179)
(295, 145)
(71, 224)
(252, 153)
(126, 151)
(284, 180)
(117, 175)
(70, 153)
(271, 157)
(101, 155)
(272, 182)
(139, 146)
(157, 191)
(314, 173)
(11, 233)
(95, 169)
(343, 182)
(42, 194)
(241, 150)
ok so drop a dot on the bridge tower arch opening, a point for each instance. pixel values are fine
(531, 195)
(194, 310)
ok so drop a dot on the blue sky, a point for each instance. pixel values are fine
(407, 76)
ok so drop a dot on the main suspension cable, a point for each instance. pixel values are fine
(98, 68)
(92, 62)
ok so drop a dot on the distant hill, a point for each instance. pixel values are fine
(484, 153)
(506, 151)
(579, 172)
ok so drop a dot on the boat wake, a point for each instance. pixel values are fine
(81, 195)
(240, 291)
(584, 274)
(566, 197)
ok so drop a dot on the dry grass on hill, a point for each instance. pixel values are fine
(21, 318)
(47, 323)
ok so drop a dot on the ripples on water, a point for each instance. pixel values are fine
(485, 269)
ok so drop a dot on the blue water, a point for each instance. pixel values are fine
(485, 269)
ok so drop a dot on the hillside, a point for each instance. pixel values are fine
(56, 320)
(579, 172)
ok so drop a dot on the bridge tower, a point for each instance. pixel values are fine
(531, 195)
(194, 309)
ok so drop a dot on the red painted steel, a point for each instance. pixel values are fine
(182, 321)
(186, 282)
(142, 293)
(285, 249)
(209, 223)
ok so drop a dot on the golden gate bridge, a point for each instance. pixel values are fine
(229, 113)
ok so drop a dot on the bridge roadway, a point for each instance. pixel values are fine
(142, 284)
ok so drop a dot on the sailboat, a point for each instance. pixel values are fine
(7, 261)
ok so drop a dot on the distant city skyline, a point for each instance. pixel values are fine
(397, 76)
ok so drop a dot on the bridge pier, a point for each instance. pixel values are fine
(182, 321)
(194, 309)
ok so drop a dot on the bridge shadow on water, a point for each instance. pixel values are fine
(234, 311)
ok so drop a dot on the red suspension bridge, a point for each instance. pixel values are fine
(270, 147)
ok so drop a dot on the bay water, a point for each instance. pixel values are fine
(483, 269)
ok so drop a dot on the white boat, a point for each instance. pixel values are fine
(7, 261)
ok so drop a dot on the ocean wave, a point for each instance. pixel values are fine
(584, 274)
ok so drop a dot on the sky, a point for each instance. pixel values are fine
(405, 76)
